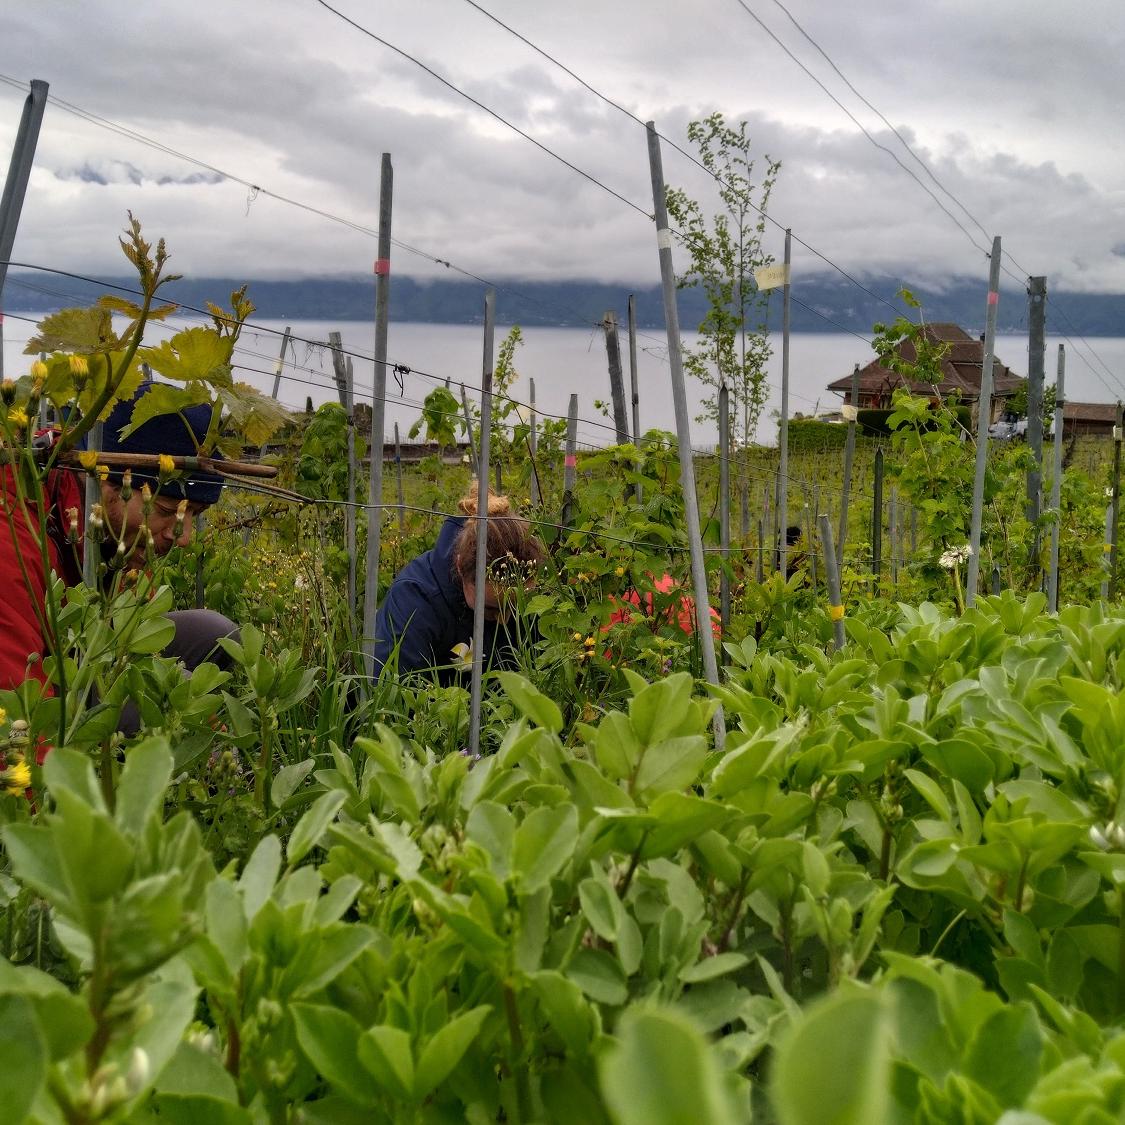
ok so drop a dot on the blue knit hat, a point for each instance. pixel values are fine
(166, 433)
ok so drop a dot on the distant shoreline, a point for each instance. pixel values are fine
(821, 304)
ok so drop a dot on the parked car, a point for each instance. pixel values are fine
(1011, 426)
(1007, 427)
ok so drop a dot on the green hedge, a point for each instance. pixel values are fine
(809, 434)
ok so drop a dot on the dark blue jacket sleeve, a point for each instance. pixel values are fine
(407, 619)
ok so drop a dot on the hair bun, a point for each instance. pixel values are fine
(497, 505)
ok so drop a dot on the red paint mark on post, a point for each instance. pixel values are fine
(382, 267)
(571, 461)
(993, 297)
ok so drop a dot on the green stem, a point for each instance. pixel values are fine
(1021, 884)
(787, 947)
(1121, 949)
(265, 761)
(946, 932)
(885, 854)
(724, 941)
(634, 859)
(517, 1063)
(108, 789)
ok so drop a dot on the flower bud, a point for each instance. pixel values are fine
(79, 365)
(136, 1077)
(127, 484)
(146, 499)
(7, 392)
(72, 525)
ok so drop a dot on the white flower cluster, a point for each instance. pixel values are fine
(954, 555)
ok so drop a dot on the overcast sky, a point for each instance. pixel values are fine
(1014, 105)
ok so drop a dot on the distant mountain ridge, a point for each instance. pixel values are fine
(819, 303)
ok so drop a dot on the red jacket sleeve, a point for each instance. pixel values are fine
(23, 589)
(23, 582)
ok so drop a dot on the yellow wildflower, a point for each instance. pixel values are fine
(578, 636)
(79, 365)
(589, 642)
(103, 472)
(88, 459)
(39, 370)
(620, 572)
(16, 778)
(17, 418)
(3, 715)
(167, 464)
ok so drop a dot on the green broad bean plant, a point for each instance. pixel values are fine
(905, 869)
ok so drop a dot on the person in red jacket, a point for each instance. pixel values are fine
(173, 505)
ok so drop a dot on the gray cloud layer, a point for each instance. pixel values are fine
(1012, 105)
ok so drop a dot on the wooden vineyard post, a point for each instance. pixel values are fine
(765, 527)
(1115, 506)
(1036, 322)
(761, 550)
(877, 523)
(810, 532)
(616, 377)
(832, 578)
(1106, 548)
(350, 510)
(345, 390)
(683, 427)
(532, 449)
(11, 203)
(570, 461)
(398, 482)
(378, 414)
(892, 535)
(724, 507)
(481, 572)
(280, 365)
(634, 392)
(984, 414)
(474, 464)
(1056, 487)
(783, 428)
(779, 531)
(851, 412)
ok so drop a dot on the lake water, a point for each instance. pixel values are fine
(563, 361)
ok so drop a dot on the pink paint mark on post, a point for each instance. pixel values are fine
(382, 267)
(993, 297)
(571, 461)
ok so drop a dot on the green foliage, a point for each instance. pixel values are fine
(724, 251)
(808, 433)
(611, 920)
(440, 415)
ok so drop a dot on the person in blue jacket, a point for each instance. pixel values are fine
(425, 623)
